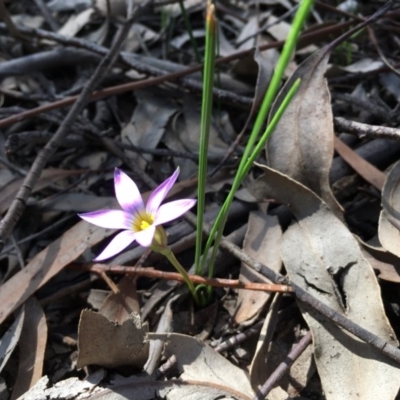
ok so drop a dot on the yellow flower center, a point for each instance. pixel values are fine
(142, 222)
(144, 225)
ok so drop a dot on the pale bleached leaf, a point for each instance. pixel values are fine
(323, 258)
(276, 339)
(117, 307)
(10, 339)
(32, 347)
(147, 124)
(301, 145)
(389, 221)
(108, 344)
(199, 362)
(262, 242)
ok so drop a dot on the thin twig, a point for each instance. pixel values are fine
(374, 131)
(42, 6)
(18, 205)
(239, 338)
(283, 367)
(153, 273)
(127, 60)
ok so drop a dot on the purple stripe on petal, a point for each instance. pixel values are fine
(112, 219)
(170, 211)
(159, 193)
(119, 243)
(145, 238)
(127, 193)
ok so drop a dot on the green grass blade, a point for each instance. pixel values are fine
(249, 152)
(217, 229)
(190, 31)
(206, 110)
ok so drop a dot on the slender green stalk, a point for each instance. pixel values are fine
(276, 79)
(190, 31)
(208, 83)
(172, 259)
(240, 176)
(273, 88)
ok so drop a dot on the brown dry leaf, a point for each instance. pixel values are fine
(147, 125)
(76, 22)
(69, 389)
(262, 242)
(10, 339)
(248, 33)
(117, 8)
(165, 324)
(48, 176)
(278, 29)
(48, 263)
(323, 258)
(117, 307)
(200, 363)
(389, 220)
(386, 264)
(284, 329)
(259, 361)
(32, 346)
(364, 168)
(184, 135)
(108, 344)
(301, 145)
(248, 66)
(133, 387)
(75, 201)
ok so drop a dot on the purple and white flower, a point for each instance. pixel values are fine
(139, 222)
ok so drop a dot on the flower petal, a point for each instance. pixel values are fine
(170, 211)
(159, 193)
(145, 237)
(127, 193)
(119, 243)
(112, 219)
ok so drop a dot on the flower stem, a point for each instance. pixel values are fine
(172, 259)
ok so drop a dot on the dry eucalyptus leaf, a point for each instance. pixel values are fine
(323, 258)
(363, 66)
(107, 344)
(364, 168)
(32, 346)
(262, 243)
(248, 34)
(184, 135)
(301, 145)
(258, 374)
(76, 22)
(386, 264)
(10, 339)
(117, 8)
(165, 324)
(278, 29)
(68, 5)
(48, 176)
(389, 221)
(133, 387)
(75, 201)
(118, 307)
(201, 363)
(147, 124)
(284, 329)
(69, 389)
(48, 263)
